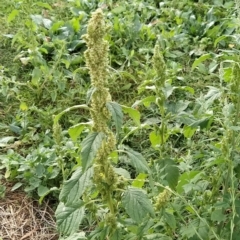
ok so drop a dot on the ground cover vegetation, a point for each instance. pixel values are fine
(124, 115)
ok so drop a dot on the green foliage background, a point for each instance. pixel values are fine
(178, 143)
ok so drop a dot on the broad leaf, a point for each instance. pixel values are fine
(169, 171)
(139, 180)
(74, 187)
(117, 235)
(76, 130)
(90, 146)
(136, 160)
(117, 115)
(158, 139)
(137, 204)
(170, 220)
(145, 101)
(133, 113)
(218, 215)
(69, 218)
(200, 60)
(184, 179)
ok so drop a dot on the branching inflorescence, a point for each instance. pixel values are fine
(97, 62)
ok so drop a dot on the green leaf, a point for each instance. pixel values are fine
(76, 130)
(145, 101)
(90, 93)
(157, 139)
(117, 235)
(200, 60)
(157, 236)
(116, 111)
(188, 132)
(23, 106)
(188, 231)
(76, 236)
(136, 160)
(170, 220)
(184, 179)
(148, 100)
(69, 218)
(42, 190)
(218, 216)
(119, 9)
(133, 113)
(202, 123)
(169, 172)
(16, 186)
(5, 140)
(90, 146)
(219, 39)
(36, 76)
(137, 204)
(74, 188)
(139, 180)
(12, 15)
(44, 5)
(122, 172)
(38, 19)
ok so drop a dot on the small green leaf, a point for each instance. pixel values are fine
(139, 180)
(137, 204)
(44, 5)
(36, 76)
(133, 113)
(185, 178)
(188, 132)
(200, 60)
(69, 218)
(119, 9)
(42, 190)
(157, 236)
(157, 139)
(16, 186)
(116, 111)
(90, 146)
(137, 160)
(219, 39)
(76, 130)
(169, 171)
(145, 101)
(12, 15)
(23, 106)
(90, 93)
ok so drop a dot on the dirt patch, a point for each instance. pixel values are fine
(22, 218)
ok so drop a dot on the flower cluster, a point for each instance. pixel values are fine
(163, 198)
(97, 62)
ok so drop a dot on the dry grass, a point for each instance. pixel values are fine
(21, 218)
